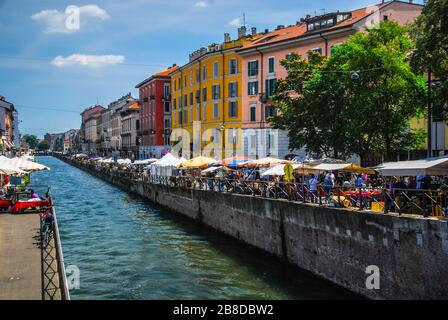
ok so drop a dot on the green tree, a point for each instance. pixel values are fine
(358, 101)
(430, 33)
(31, 140)
(43, 145)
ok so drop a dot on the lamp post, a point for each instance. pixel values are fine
(429, 114)
(223, 141)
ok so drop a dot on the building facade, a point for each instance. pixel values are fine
(9, 129)
(155, 114)
(90, 129)
(130, 127)
(261, 63)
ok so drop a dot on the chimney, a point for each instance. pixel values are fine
(227, 37)
(266, 30)
(254, 31)
(280, 27)
(242, 32)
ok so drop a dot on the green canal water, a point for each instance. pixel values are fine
(127, 248)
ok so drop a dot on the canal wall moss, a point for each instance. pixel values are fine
(340, 245)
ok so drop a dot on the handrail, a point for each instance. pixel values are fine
(65, 295)
(389, 199)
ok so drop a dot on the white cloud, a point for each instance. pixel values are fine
(235, 22)
(55, 21)
(201, 4)
(87, 60)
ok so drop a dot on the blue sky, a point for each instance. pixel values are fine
(120, 43)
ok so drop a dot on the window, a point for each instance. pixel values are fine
(252, 88)
(216, 69)
(204, 72)
(253, 112)
(166, 90)
(204, 117)
(167, 106)
(232, 134)
(185, 100)
(253, 141)
(216, 92)
(191, 78)
(270, 87)
(270, 112)
(204, 94)
(198, 96)
(233, 66)
(233, 90)
(180, 83)
(179, 120)
(191, 98)
(385, 17)
(198, 75)
(174, 104)
(271, 65)
(185, 115)
(185, 81)
(233, 109)
(252, 68)
(216, 111)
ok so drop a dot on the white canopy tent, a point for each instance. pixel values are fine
(166, 165)
(425, 167)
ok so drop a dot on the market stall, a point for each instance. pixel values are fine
(425, 167)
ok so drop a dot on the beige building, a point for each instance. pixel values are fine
(130, 126)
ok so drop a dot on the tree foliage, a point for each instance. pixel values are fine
(31, 140)
(43, 145)
(359, 100)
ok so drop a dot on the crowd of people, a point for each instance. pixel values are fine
(335, 188)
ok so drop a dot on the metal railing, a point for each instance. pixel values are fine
(381, 199)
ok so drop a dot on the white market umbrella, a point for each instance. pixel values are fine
(23, 164)
(10, 170)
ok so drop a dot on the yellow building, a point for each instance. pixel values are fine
(206, 100)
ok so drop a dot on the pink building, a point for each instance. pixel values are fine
(261, 64)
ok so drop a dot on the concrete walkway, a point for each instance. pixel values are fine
(20, 257)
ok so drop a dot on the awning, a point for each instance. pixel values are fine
(426, 167)
(264, 162)
(347, 167)
(198, 162)
(233, 161)
(144, 162)
(279, 170)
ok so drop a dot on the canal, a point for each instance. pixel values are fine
(126, 248)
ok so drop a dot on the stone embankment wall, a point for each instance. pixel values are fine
(411, 253)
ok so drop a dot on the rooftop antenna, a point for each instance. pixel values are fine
(244, 19)
(96, 100)
(323, 10)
